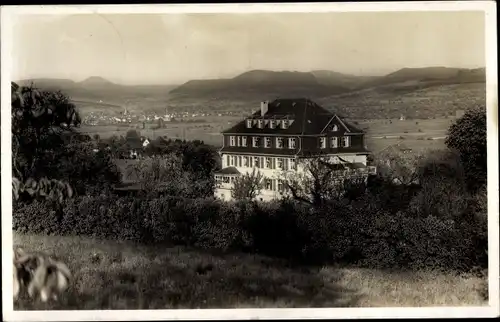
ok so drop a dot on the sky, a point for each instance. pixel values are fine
(175, 48)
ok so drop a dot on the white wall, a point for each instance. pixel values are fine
(265, 194)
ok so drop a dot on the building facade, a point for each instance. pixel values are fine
(280, 138)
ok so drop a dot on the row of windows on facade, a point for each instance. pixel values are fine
(261, 123)
(269, 184)
(261, 162)
(241, 141)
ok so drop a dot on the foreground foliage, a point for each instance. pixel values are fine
(354, 233)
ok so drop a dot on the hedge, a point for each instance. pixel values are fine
(349, 233)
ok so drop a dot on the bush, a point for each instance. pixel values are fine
(363, 232)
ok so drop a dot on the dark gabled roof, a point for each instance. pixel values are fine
(351, 127)
(228, 170)
(308, 118)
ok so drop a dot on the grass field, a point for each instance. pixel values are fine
(117, 275)
(417, 134)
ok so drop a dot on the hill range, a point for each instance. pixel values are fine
(355, 96)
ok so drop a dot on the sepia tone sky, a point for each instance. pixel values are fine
(172, 49)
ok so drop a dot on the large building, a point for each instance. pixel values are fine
(281, 135)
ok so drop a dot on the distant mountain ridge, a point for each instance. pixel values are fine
(247, 89)
(318, 83)
(95, 88)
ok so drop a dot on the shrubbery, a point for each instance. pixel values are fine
(337, 233)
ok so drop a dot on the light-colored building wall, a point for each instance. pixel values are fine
(291, 164)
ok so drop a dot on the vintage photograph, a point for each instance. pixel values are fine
(247, 160)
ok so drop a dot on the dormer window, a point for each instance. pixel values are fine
(284, 124)
(244, 141)
(335, 128)
(272, 124)
(232, 140)
(249, 123)
(279, 143)
(260, 124)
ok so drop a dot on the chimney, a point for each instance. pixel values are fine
(263, 108)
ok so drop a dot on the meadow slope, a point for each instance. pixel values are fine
(118, 275)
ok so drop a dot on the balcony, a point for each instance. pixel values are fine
(224, 178)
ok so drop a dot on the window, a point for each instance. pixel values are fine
(284, 124)
(255, 142)
(256, 162)
(267, 142)
(345, 141)
(335, 128)
(232, 141)
(246, 161)
(280, 163)
(269, 163)
(291, 143)
(334, 142)
(260, 124)
(268, 184)
(227, 160)
(238, 140)
(293, 164)
(239, 161)
(249, 123)
(243, 141)
(322, 143)
(279, 143)
(280, 186)
(232, 160)
(272, 124)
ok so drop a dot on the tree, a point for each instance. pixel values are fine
(50, 158)
(248, 185)
(468, 136)
(398, 167)
(133, 135)
(442, 184)
(38, 120)
(164, 175)
(321, 181)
